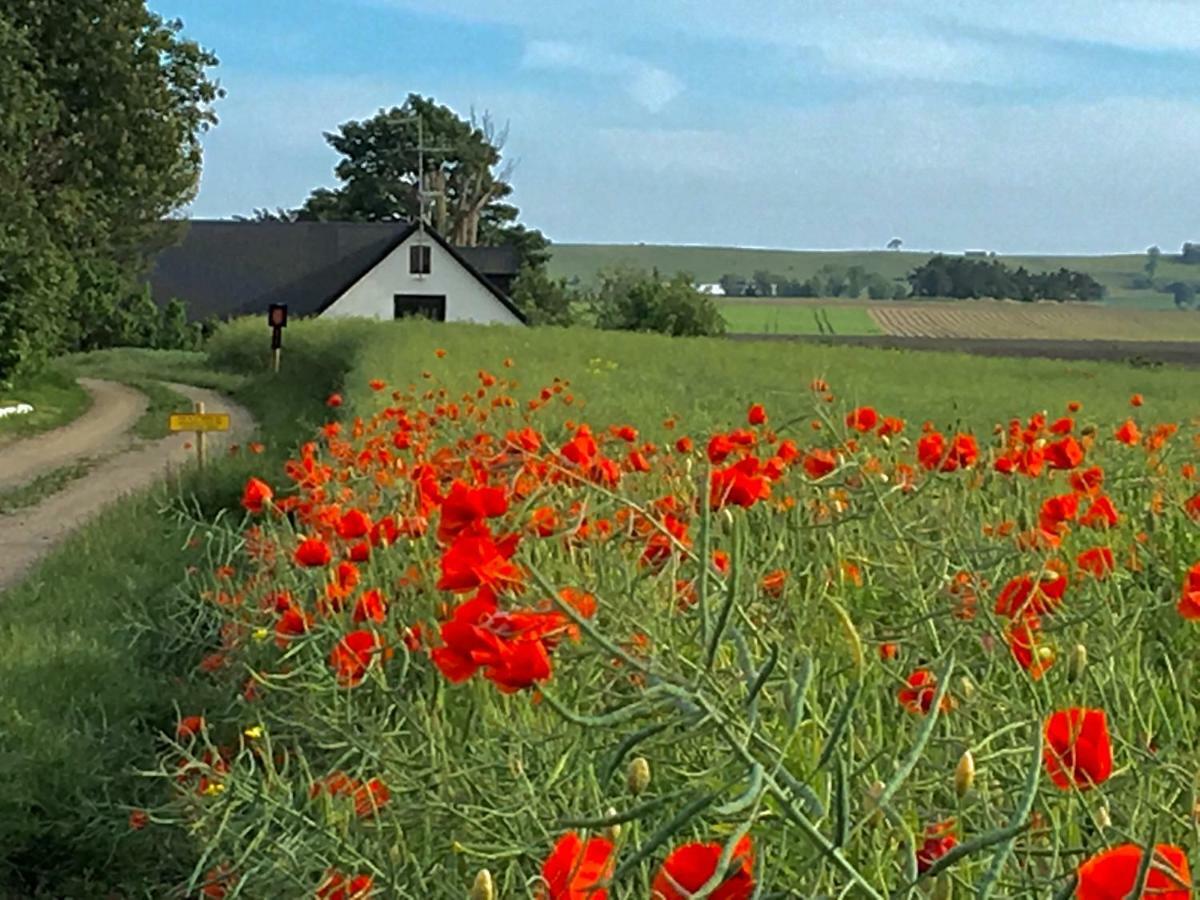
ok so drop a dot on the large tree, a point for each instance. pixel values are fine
(465, 177)
(101, 106)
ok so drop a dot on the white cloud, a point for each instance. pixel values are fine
(649, 85)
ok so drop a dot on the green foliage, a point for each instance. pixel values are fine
(463, 172)
(103, 103)
(1184, 294)
(543, 299)
(628, 300)
(956, 276)
(1153, 255)
(1190, 253)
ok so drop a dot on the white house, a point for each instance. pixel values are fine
(379, 270)
(712, 289)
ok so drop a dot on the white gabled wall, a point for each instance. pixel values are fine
(466, 299)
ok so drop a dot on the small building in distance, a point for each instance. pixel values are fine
(380, 270)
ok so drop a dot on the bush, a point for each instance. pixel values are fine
(636, 301)
(543, 300)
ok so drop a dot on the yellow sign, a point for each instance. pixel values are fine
(199, 422)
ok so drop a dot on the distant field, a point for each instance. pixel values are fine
(708, 264)
(960, 319)
(809, 318)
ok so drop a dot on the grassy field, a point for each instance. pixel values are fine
(707, 264)
(809, 318)
(55, 397)
(831, 659)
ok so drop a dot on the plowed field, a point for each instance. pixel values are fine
(994, 319)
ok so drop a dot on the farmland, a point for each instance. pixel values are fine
(960, 319)
(746, 604)
(1116, 272)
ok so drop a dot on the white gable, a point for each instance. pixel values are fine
(373, 295)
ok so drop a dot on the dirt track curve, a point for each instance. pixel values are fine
(26, 535)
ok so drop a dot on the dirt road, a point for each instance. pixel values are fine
(102, 429)
(27, 535)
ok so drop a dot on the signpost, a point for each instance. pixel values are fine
(199, 422)
(277, 319)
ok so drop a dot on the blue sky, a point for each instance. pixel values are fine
(1053, 126)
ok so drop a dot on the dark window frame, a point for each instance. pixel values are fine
(431, 306)
(420, 259)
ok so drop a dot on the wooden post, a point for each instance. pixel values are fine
(275, 360)
(200, 438)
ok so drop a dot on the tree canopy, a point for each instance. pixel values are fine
(102, 103)
(954, 276)
(465, 177)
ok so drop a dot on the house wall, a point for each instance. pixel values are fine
(466, 299)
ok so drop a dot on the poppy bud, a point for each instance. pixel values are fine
(637, 776)
(1087, 431)
(1076, 662)
(483, 889)
(966, 687)
(874, 792)
(1103, 819)
(612, 832)
(964, 773)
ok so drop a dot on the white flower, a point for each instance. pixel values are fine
(16, 410)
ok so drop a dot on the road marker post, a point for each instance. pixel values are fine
(277, 318)
(201, 423)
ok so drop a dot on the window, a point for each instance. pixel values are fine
(428, 306)
(419, 258)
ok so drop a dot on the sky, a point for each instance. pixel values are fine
(1056, 126)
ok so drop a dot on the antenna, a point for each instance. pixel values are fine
(423, 196)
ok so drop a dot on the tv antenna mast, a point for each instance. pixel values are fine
(423, 195)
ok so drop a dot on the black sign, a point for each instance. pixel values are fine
(277, 315)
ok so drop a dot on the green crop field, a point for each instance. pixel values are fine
(798, 318)
(707, 264)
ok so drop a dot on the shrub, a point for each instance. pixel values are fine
(636, 301)
(543, 299)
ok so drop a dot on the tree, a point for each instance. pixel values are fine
(102, 103)
(764, 283)
(632, 300)
(895, 244)
(1185, 294)
(279, 214)
(1190, 253)
(465, 178)
(1152, 257)
(544, 300)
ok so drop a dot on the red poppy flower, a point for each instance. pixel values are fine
(1089, 481)
(739, 484)
(189, 727)
(1189, 602)
(337, 886)
(689, 867)
(369, 797)
(334, 401)
(1057, 511)
(862, 419)
(353, 655)
(1023, 594)
(890, 425)
(1128, 433)
(475, 560)
(1100, 514)
(371, 606)
(1064, 454)
(353, 524)
(719, 447)
(1078, 749)
(292, 623)
(255, 494)
(1112, 874)
(757, 415)
(1031, 654)
(939, 841)
(464, 507)
(930, 449)
(1136, 400)
(1098, 562)
(773, 583)
(511, 648)
(819, 463)
(313, 552)
(574, 868)
(683, 445)
(918, 693)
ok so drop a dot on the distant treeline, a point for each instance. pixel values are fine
(940, 276)
(955, 276)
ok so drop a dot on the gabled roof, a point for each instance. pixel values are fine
(229, 268)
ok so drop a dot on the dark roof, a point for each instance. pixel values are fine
(493, 260)
(228, 268)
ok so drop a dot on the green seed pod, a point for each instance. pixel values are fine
(1076, 662)
(637, 775)
(964, 773)
(483, 888)
(871, 803)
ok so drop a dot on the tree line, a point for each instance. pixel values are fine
(962, 278)
(102, 103)
(849, 282)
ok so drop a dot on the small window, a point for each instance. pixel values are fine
(419, 257)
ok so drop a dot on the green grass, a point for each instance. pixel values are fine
(56, 400)
(799, 318)
(84, 694)
(709, 381)
(707, 264)
(44, 485)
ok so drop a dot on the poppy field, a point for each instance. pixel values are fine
(486, 635)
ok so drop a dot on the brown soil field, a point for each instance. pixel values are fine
(1033, 321)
